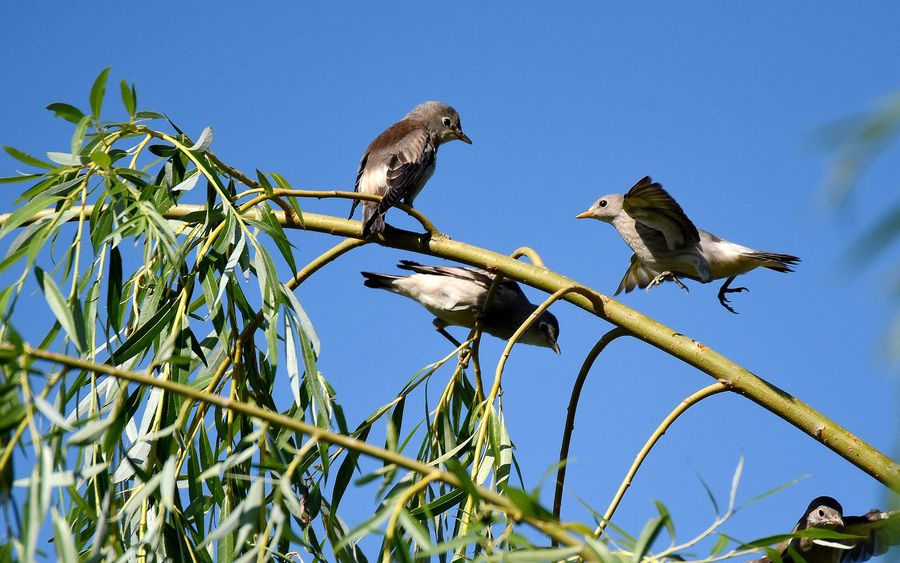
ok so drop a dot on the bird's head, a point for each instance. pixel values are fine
(544, 332)
(442, 120)
(824, 512)
(604, 209)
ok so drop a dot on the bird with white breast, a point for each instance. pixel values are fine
(399, 162)
(667, 245)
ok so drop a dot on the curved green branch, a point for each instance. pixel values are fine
(697, 354)
(684, 405)
(573, 406)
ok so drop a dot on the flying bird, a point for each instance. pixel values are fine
(399, 162)
(667, 245)
(456, 296)
(877, 530)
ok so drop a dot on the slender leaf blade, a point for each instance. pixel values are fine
(60, 308)
(98, 91)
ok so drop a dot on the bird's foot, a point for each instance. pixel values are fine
(464, 355)
(667, 276)
(724, 301)
(724, 290)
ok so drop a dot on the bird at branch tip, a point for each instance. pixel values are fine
(667, 245)
(456, 297)
(399, 162)
(877, 532)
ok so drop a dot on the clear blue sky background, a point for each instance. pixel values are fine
(722, 102)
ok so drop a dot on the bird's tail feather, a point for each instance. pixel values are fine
(373, 221)
(379, 281)
(773, 261)
(416, 267)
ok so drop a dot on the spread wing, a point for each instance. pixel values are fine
(637, 275)
(649, 204)
(881, 530)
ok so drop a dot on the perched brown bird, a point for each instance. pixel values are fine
(399, 162)
(877, 530)
(456, 296)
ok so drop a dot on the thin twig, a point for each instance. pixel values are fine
(405, 497)
(484, 422)
(475, 334)
(530, 254)
(326, 194)
(573, 406)
(684, 405)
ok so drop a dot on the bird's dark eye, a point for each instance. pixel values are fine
(602, 203)
(821, 512)
(446, 122)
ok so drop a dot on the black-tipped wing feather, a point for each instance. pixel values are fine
(359, 173)
(879, 531)
(508, 293)
(410, 164)
(882, 530)
(637, 275)
(649, 204)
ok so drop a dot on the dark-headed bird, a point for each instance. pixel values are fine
(456, 296)
(667, 245)
(877, 531)
(399, 162)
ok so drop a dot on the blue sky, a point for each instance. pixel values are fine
(723, 103)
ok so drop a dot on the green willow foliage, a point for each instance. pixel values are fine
(147, 411)
(856, 143)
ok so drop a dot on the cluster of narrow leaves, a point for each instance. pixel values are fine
(140, 471)
(197, 299)
(113, 470)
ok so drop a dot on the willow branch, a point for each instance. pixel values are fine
(684, 405)
(551, 529)
(247, 334)
(692, 352)
(325, 194)
(495, 388)
(573, 406)
(405, 497)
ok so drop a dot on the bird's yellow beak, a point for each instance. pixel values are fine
(462, 137)
(585, 215)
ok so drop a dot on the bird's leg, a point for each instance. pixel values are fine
(725, 289)
(440, 328)
(464, 354)
(679, 284)
(667, 276)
